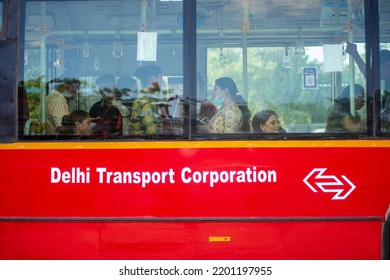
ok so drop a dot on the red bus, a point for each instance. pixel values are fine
(231, 129)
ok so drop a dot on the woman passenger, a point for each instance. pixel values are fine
(77, 123)
(266, 121)
(233, 113)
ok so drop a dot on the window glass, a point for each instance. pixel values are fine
(289, 63)
(281, 67)
(113, 68)
(1, 15)
(384, 56)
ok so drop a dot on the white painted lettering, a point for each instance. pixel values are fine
(55, 175)
(101, 171)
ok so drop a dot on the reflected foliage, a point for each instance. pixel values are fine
(271, 86)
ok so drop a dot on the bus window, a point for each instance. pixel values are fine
(384, 56)
(291, 59)
(83, 40)
(284, 57)
(1, 15)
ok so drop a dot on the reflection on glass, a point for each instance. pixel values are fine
(384, 56)
(88, 39)
(1, 15)
(268, 75)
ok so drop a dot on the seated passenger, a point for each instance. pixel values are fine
(266, 121)
(77, 123)
(341, 119)
(107, 116)
(145, 117)
(233, 114)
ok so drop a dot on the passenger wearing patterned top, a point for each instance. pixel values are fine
(56, 103)
(145, 117)
(233, 115)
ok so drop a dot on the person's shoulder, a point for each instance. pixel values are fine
(143, 100)
(113, 109)
(53, 94)
(233, 108)
(96, 104)
(54, 97)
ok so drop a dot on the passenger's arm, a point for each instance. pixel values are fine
(352, 51)
(352, 126)
(205, 128)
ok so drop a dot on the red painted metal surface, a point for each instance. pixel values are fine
(282, 205)
(271, 240)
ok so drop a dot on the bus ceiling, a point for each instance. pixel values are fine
(273, 23)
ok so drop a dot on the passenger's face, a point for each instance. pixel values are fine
(218, 91)
(271, 125)
(359, 102)
(106, 90)
(127, 94)
(156, 83)
(69, 92)
(84, 127)
(107, 93)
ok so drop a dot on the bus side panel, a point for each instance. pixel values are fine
(342, 221)
(190, 240)
(264, 182)
(332, 240)
(37, 240)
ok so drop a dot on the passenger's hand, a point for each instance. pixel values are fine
(205, 128)
(363, 125)
(351, 49)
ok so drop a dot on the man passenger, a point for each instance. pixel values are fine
(145, 117)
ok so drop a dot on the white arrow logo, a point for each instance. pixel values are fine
(329, 183)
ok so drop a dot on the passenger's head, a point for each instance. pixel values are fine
(127, 87)
(150, 77)
(78, 122)
(106, 86)
(266, 121)
(67, 87)
(359, 99)
(384, 64)
(224, 86)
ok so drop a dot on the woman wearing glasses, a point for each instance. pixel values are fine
(266, 121)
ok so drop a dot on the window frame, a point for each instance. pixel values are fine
(190, 87)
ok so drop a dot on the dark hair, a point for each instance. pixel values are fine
(228, 83)
(60, 84)
(75, 116)
(144, 73)
(261, 118)
(345, 93)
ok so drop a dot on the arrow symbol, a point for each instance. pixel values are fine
(329, 183)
